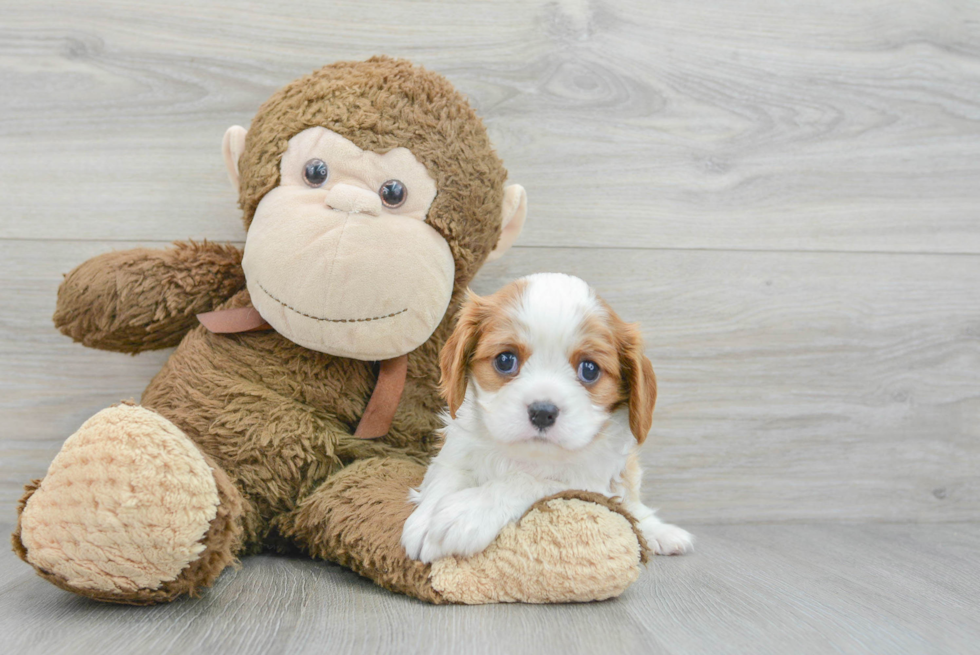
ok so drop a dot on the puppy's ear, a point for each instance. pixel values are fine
(640, 381)
(454, 360)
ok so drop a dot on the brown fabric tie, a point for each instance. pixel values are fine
(384, 399)
(380, 411)
(233, 321)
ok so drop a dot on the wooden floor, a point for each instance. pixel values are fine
(785, 194)
(757, 589)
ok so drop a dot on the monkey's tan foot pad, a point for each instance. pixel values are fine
(576, 548)
(125, 507)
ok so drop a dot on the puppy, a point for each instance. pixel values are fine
(548, 390)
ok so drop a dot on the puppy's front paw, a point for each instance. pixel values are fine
(460, 525)
(667, 539)
(413, 534)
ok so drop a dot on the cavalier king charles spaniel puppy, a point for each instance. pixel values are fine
(548, 391)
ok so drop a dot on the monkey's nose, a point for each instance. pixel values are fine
(352, 199)
(542, 414)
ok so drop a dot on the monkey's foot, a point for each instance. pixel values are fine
(130, 511)
(573, 547)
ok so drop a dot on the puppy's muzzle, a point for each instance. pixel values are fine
(542, 414)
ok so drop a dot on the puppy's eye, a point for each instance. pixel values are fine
(393, 193)
(505, 363)
(315, 172)
(588, 371)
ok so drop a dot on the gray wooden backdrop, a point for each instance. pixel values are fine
(786, 194)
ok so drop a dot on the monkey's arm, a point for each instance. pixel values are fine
(143, 299)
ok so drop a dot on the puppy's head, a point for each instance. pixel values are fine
(549, 362)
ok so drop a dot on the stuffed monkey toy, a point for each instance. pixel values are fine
(301, 402)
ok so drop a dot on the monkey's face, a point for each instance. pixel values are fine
(339, 258)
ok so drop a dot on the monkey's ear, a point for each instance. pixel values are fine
(232, 148)
(512, 217)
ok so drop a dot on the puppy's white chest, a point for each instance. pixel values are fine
(585, 472)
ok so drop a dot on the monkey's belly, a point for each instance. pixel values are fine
(277, 417)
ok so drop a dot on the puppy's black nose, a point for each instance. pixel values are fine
(542, 415)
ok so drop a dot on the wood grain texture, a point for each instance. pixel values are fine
(793, 386)
(748, 589)
(783, 192)
(789, 125)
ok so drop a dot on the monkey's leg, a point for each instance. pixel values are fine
(577, 547)
(130, 511)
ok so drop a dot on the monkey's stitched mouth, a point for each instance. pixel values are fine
(330, 320)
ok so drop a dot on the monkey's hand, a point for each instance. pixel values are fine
(142, 299)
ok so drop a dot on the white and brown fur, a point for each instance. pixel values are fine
(495, 463)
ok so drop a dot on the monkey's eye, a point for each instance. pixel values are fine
(316, 172)
(505, 363)
(588, 371)
(393, 193)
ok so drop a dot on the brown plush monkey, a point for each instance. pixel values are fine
(371, 195)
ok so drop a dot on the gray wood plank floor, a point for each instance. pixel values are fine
(784, 193)
(749, 589)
